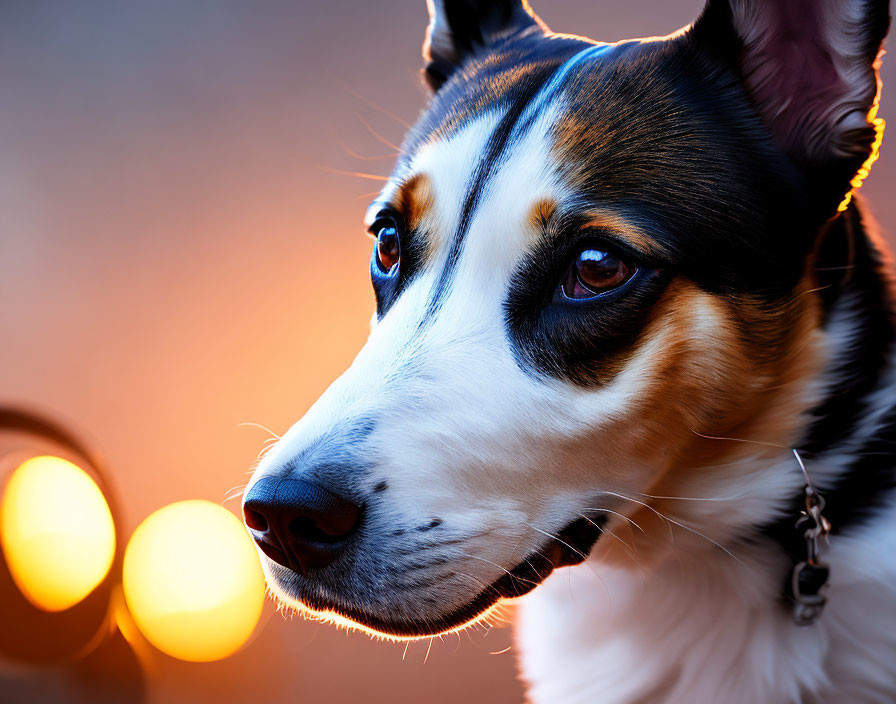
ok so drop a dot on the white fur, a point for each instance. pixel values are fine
(690, 630)
(703, 627)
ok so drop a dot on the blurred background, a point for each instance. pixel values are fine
(181, 253)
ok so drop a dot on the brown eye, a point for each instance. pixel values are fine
(388, 248)
(593, 272)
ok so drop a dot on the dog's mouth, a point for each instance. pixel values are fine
(569, 547)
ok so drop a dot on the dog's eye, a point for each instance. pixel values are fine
(387, 247)
(594, 272)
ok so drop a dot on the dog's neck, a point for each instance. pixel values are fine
(853, 430)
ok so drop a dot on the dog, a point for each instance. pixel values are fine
(632, 322)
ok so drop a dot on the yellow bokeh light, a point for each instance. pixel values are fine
(193, 581)
(56, 531)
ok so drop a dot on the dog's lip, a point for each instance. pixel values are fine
(569, 547)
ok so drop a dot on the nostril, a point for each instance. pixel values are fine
(255, 520)
(306, 529)
(299, 524)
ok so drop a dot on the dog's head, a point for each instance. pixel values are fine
(591, 262)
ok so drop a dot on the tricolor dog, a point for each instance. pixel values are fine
(623, 291)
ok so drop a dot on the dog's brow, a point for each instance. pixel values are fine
(412, 197)
(623, 229)
(541, 213)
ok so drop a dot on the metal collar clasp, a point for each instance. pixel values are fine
(810, 576)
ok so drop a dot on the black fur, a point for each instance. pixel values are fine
(673, 143)
(855, 278)
(856, 273)
(470, 27)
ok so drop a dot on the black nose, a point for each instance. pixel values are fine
(298, 524)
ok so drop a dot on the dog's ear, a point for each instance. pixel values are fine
(811, 68)
(460, 28)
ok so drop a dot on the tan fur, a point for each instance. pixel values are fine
(616, 225)
(730, 380)
(540, 214)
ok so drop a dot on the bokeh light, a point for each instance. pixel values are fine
(193, 581)
(57, 532)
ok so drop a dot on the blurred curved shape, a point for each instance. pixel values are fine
(193, 581)
(31, 634)
(56, 531)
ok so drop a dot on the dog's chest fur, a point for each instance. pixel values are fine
(711, 630)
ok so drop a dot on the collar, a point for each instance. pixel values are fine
(809, 576)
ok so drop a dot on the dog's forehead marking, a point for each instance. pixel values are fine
(501, 231)
(461, 169)
(445, 165)
(450, 165)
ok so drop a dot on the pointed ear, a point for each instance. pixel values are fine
(460, 28)
(811, 68)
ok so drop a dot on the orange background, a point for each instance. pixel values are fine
(178, 256)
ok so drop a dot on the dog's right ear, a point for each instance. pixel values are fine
(459, 29)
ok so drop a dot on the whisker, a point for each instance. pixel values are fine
(590, 566)
(370, 103)
(814, 290)
(234, 493)
(559, 540)
(615, 513)
(691, 498)
(755, 442)
(358, 174)
(495, 564)
(377, 135)
(640, 503)
(360, 157)
(485, 587)
(603, 530)
(263, 451)
(518, 542)
(835, 268)
(259, 425)
(436, 544)
(238, 487)
(677, 523)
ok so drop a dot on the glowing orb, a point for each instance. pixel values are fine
(56, 531)
(193, 581)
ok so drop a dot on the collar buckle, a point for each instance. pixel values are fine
(810, 577)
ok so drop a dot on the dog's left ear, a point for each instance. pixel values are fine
(811, 68)
(459, 29)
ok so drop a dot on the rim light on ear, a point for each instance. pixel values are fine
(857, 180)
